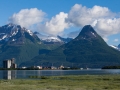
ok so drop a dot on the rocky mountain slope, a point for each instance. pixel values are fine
(20, 43)
(115, 47)
(87, 49)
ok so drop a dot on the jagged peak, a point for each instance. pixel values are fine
(87, 28)
(16, 27)
(87, 32)
(9, 31)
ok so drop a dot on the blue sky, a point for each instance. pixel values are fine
(53, 17)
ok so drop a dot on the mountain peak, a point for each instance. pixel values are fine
(13, 33)
(87, 33)
(88, 28)
(87, 49)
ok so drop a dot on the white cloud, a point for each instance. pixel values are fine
(105, 39)
(30, 18)
(56, 25)
(80, 15)
(116, 40)
(107, 27)
(101, 18)
(27, 17)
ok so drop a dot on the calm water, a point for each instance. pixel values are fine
(24, 74)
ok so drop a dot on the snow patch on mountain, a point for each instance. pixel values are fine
(10, 30)
(115, 47)
(45, 38)
(14, 33)
(51, 39)
(4, 36)
(13, 39)
(30, 32)
(93, 34)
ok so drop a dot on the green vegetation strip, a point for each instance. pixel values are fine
(76, 82)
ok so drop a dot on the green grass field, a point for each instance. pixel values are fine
(76, 82)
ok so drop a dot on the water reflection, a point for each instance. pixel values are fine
(24, 74)
(113, 71)
(9, 74)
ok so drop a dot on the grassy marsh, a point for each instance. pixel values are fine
(76, 82)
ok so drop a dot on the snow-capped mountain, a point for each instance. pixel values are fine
(57, 39)
(88, 33)
(65, 40)
(15, 34)
(48, 39)
(87, 48)
(52, 39)
(115, 47)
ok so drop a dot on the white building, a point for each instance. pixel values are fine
(61, 67)
(9, 63)
(52, 67)
(39, 67)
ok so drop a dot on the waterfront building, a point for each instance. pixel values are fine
(9, 63)
(24, 67)
(39, 67)
(61, 67)
(52, 67)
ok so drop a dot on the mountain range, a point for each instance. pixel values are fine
(20, 43)
(87, 49)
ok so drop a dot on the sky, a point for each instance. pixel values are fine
(64, 17)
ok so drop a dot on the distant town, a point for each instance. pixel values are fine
(9, 64)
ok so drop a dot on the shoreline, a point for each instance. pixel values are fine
(68, 82)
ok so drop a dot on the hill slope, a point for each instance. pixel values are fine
(19, 43)
(87, 49)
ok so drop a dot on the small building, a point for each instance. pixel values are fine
(61, 67)
(53, 67)
(14, 65)
(39, 67)
(9, 63)
(24, 67)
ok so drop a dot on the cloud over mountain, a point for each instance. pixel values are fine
(27, 17)
(107, 27)
(56, 25)
(101, 18)
(80, 15)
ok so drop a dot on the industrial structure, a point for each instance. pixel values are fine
(9, 63)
